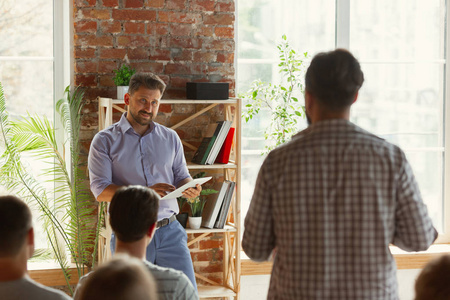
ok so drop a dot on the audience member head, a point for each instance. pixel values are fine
(15, 227)
(334, 78)
(147, 80)
(122, 278)
(133, 213)
(434, 280)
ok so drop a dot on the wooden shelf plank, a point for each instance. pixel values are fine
(193, 166)
(214, 291)
(186, 101)
(227, 228)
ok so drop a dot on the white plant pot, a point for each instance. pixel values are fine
(121, 91)
(195, 222)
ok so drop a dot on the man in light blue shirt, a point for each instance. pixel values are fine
(138, 151)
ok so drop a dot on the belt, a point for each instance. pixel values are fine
(165, 221)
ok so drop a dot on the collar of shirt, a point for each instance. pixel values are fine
(330, 126)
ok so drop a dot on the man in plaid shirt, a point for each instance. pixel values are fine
(330, 202)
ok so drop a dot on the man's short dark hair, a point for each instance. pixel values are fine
(434, 280)
(15, 222)
(148, 80)
(334, 78)
(132, 211)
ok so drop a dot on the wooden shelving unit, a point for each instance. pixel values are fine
(231, 171)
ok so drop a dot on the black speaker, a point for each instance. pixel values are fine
(207, 90)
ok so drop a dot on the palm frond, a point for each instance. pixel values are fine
(68, 215)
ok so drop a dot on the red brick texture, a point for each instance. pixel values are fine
(179, 40)
(192, 39)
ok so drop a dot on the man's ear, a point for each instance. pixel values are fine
(356, 97)
(308, 100)
(30, 242)
(151, 230)
(126, 99)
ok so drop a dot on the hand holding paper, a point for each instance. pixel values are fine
(191, 184)
(162, 188)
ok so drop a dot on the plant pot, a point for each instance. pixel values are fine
(182, 218)
(121, 91)
(195, 222)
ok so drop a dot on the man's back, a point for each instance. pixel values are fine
(172, 284)
(337, 196)
(27, 289)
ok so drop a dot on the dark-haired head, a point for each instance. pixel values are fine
(15, 223)
(433, 281)
(148, 80)
(334, 78)
(133, 210)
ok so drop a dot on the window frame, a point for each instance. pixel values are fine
(442, 244)
(343, 41)
(62, 77)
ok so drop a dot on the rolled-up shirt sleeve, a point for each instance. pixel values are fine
(414, 229)
(179, 167)
(258, 241)
(100, 165)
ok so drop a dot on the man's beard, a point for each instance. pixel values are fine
(140, 121)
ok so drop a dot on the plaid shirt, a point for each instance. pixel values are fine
(330, 202)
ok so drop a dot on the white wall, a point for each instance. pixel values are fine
(255, 287)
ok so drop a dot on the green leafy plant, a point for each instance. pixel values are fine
(181, 201)
(65, 208)
(123, 75)
(197, 204)
(282, 100)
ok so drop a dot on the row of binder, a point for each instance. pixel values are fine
(216, 145)
(217, 205)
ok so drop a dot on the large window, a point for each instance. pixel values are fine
(401, 46)
(33, 52)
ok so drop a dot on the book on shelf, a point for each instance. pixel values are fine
(225, 208)
(208, 141)
(224, 154)
(213, 204)
(218, 142)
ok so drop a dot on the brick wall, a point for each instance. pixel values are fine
(181, 41)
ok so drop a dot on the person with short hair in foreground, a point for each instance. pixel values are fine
(16, 247)
(122, 278)
(133, 216)
(332, 200)
(433, 281)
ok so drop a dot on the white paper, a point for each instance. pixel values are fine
(178, 192)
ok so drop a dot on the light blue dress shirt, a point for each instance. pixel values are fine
(118, 155)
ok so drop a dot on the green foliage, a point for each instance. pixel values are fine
(282, 100)
(181, 201)
(197, 204)
(66, 209)
(123, 75)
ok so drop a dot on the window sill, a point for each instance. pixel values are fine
(50, 274)
(404, 260)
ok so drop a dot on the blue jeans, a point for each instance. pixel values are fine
(168, 248)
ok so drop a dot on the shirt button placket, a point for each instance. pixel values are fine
(144, 165)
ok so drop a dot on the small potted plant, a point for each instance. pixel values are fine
(197, 204)
(122, 80)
